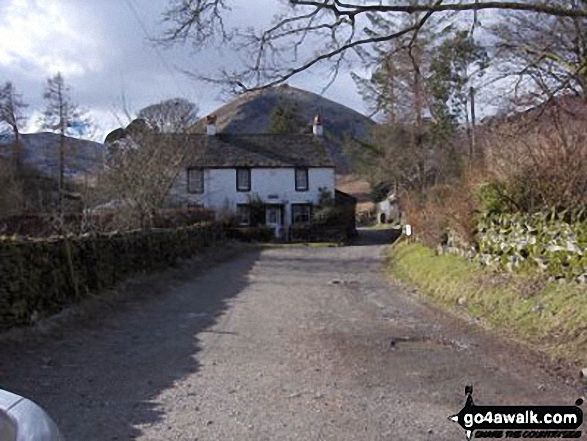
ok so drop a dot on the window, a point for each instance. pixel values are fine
(195, 180)
(243, 179)
(301, 179)
(243, 215)
(301, 213)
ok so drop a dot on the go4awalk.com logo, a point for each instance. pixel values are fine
(519, 421)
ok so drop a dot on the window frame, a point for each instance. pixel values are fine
(307, 183)
(248, 208)
(244, 189)
(310, 209)
(201, 188)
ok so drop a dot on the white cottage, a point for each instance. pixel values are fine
(231, 174)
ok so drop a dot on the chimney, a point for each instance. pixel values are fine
(211, 125)
(318, 127)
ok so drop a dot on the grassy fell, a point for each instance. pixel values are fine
(550, 316)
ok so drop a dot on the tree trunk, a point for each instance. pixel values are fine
(418, 133)
(61, 177)
(472, 146)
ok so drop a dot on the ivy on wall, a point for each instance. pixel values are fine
(549, 242)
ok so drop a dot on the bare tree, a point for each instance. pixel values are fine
(64, 117)
(547, 53)
(12, 114)
(334, 29)
(12, 195)
(144, 163)
(176, 115)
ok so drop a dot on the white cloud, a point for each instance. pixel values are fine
(100, 47)
(43, 35)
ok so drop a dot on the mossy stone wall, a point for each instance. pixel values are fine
(41, 277)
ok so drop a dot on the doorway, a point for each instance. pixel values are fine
(274, 218)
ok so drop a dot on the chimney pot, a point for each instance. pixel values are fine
(318, 126)
(211, 125)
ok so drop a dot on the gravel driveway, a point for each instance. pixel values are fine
(291, 343)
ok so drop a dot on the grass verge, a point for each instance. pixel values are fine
(552, 317)
(382, 227)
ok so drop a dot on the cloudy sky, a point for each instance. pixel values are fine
(101, 47)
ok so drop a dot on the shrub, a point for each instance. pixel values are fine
(442, 209)
(43, 224)
(250, 234)
(319, 233)
(536, 163)
(182, 217)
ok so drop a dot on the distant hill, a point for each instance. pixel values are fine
(41, 152)
(250, 113)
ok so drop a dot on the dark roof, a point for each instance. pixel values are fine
(344, 198)
(223, 150)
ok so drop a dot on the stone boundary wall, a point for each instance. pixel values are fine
(40, 277)
(549, 243)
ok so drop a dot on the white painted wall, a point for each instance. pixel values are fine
(272, 185)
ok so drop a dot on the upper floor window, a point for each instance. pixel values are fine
(302, 179)
(243, 179)
(195, 180)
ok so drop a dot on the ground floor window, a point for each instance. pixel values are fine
(243, 214)
(301, 213)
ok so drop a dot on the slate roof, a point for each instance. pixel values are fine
(223, 150)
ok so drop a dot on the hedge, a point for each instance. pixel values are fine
(43, 224)
(42, 277)
(314, 232)
(250, 234)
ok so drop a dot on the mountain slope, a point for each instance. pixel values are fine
(250, 114)
(41, 152)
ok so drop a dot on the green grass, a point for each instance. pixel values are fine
(550, 316)
(382, 227)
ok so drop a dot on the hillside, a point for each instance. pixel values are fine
(250, 113)
(41, 152)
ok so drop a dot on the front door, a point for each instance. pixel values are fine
(273, 218)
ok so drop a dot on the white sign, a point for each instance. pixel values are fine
(408, 230)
